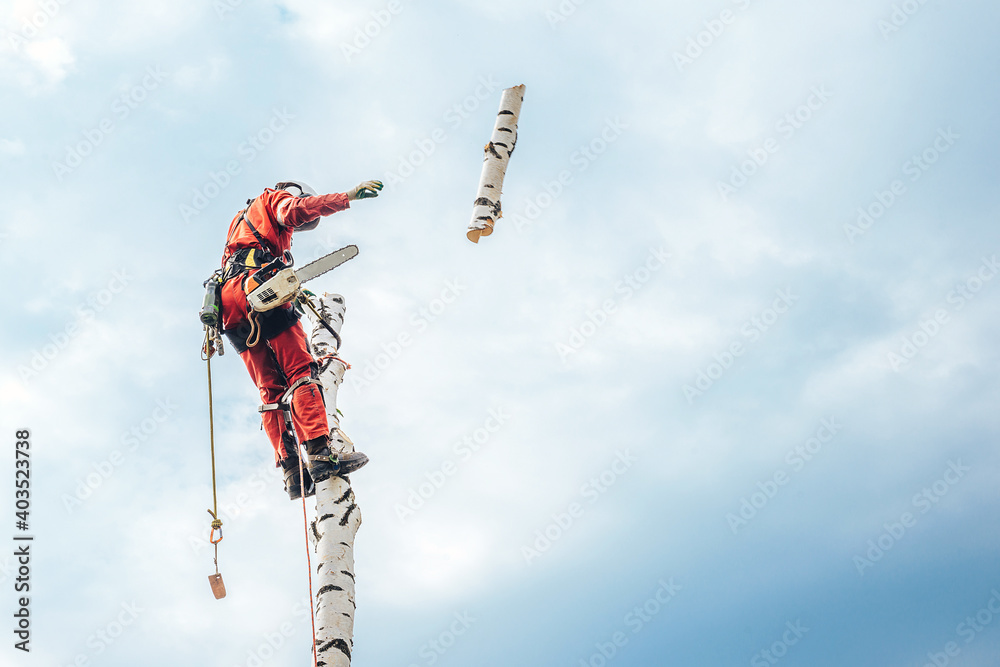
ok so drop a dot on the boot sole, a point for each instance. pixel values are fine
(322, 471)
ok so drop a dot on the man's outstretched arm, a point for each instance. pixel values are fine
(304, 212)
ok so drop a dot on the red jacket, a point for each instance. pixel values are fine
(276, 214)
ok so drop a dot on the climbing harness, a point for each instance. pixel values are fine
(265, 246)
(213, 342)
(305, 379)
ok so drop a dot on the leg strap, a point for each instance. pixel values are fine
(286, 398)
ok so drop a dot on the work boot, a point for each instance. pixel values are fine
(324, 464)
(293, 484)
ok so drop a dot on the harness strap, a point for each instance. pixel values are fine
(286, 398)
(245, 259)
(260, 239)
(265, 246)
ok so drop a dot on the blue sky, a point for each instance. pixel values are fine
(738, 324)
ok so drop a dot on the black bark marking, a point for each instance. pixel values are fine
(492, 151)
(327, 589)
(326, 516)
(504, 129)
(349, 574)
(482, 201)
(343, 522)
(338, 644)
(507, 112)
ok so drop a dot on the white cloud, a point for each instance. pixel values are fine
(36, 65)
(11, 147)
(209, 73)
(51, 56)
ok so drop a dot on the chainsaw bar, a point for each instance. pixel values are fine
(326, 263)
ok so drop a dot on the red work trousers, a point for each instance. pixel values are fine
(275, 365)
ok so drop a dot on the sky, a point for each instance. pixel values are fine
(716, 391)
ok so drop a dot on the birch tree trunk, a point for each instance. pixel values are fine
(337, 515)
(497, 154)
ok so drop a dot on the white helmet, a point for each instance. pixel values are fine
(297, 188)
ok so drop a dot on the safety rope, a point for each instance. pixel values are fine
(333, 357)
(304, 298)
(305, 525)
(254, 337)
(216, 522)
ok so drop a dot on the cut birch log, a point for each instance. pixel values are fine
(486, 208)
(337, 514)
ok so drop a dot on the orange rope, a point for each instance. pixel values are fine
(335, 358)
(305, 525)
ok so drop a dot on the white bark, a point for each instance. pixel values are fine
(497, 154)
(337, 515)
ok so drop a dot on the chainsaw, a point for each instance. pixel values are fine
(277, 283)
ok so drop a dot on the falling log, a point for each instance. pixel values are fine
(337, 514)
(486, 209)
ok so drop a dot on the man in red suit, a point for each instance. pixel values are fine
(273, 344)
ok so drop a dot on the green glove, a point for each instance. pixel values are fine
(366, 190)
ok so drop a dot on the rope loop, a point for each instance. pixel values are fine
(216, 526)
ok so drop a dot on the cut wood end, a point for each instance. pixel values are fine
(474, 234)
(218, 587)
